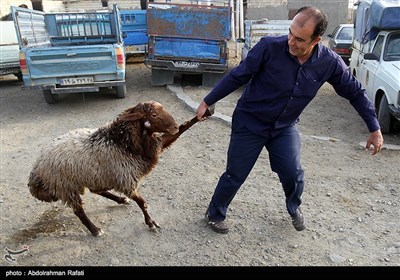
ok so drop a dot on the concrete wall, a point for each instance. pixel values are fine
(336, 10)
(48, 5)
(6, 4)
(67, 5)
(73, 5)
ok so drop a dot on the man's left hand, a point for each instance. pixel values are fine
(375, 139)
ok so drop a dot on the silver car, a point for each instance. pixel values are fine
(341, 39)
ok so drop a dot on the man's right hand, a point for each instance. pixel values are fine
(201, 110)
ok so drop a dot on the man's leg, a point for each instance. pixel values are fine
(244, 149)
(284, 154)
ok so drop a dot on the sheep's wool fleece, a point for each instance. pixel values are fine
(72, 162)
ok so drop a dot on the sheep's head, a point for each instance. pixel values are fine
(155, 118)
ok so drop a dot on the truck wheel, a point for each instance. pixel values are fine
(121, 91)
(49, 97)
(384, 116)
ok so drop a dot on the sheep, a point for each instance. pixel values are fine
(116, 156)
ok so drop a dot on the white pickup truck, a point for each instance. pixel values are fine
(9, 50)
(375, 58)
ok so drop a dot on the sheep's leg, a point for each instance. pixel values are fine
(78, 210)
(118, 199)
(143, 205)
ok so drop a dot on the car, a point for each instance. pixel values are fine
(340, 40)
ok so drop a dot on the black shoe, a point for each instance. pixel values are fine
(217, 226)
(298, 220)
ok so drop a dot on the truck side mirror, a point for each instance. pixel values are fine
(240, 40)
(124, 35)
(371, 56)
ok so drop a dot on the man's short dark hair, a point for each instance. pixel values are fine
(320, 18)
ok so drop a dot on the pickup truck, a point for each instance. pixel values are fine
(375, 58)
(70, 52)
(9, 50)
(188, 39)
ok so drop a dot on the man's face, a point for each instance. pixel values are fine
(300, 38)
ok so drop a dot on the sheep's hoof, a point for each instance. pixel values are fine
(98, 232)
(154, 226)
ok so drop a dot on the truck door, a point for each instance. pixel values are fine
(372, 66)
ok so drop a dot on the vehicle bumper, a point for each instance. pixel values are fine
(83, 88)
(10, 70)
(200, 68)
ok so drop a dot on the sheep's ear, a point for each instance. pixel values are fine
(133, 114)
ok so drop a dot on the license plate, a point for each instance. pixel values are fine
(131, 49)
(76, 81)
(186, 64)
(9, 71)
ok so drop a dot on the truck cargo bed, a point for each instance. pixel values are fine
(70, 52)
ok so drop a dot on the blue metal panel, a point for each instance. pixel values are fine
(133, 20)
(187, 49)
(138, 37)
(189, 21)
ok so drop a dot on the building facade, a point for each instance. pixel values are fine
(338, 11)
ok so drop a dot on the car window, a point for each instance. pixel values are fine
(346, 33)
(393, 48)
(378, 46)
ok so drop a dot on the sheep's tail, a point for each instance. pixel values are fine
(38, 190)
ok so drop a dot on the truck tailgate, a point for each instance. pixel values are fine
(134, 25)
(94, 60)
(188, 21)
(187, 49)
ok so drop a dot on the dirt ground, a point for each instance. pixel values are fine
(350, 202)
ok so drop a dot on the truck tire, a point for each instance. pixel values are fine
(121, 91)
(49, 97)
(384, 116)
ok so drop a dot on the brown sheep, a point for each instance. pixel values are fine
(116, 157)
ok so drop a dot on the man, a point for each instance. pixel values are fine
(282, 75)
